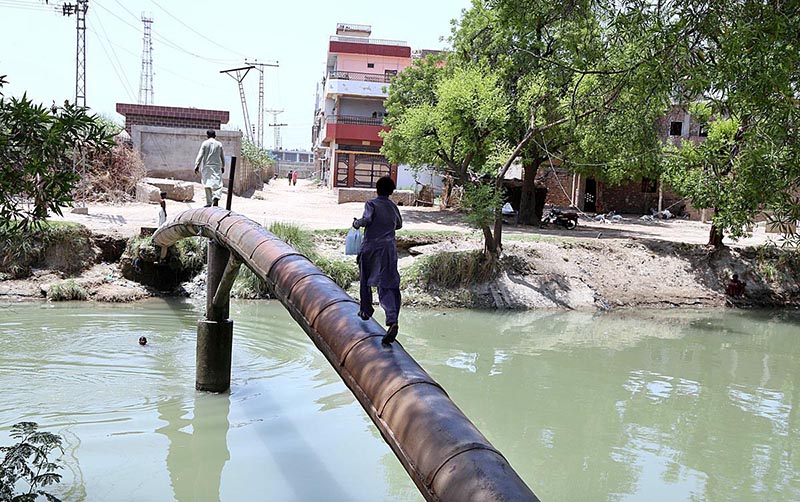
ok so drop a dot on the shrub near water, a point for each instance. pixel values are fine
(453, 269)
(342, 272)
(66, 291)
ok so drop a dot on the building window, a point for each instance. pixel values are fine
(675, 128)
(703, 130)
(390, 73)
(650, 185)
(370, 65)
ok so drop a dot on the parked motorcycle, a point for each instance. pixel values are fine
(566, 219)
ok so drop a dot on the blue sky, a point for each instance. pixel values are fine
(193, 41)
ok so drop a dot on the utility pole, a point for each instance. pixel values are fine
(146, 95)
(277, 142)
(260, 67)
(79, 8)
(240, 74)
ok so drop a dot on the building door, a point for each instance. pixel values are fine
(590, 196)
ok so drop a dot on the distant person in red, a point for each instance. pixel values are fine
(289, 177)
(735, 287)
(377, 259)
(294, 177)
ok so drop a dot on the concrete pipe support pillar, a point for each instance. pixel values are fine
(215, 332)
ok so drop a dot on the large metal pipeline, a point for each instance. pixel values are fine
(443, 452)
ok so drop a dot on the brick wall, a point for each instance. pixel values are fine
(557, 183)
(399, 197)
(171, 116)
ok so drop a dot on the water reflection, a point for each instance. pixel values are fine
(653, 406)
(621, 406)
(197, 450)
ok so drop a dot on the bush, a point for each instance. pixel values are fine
(66, 291)
(342, 272)
(301, 240)
(112, 176)
(27, 463)
(453, 269)
(38, 147)
(249, 286)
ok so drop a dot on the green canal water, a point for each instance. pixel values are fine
(622, 406)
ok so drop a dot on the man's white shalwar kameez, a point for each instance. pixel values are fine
(211, 162)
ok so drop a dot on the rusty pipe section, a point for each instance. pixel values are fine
(444, 453)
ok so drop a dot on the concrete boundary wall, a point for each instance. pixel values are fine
(170, 153)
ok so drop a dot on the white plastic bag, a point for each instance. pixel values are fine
(352, 244)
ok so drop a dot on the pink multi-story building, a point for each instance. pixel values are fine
(350, 111)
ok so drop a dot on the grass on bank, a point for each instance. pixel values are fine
(65, 291)
(451, 269)
(22, 250)
(342, 272)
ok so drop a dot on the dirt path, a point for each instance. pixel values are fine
(315, 208)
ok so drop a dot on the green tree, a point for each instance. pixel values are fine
(742, 64)
(449, 118)
(570, 79)
(38, 149)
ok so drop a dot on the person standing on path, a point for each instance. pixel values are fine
(377, 258)
(289, 177)
(212, 161)
(294, 177)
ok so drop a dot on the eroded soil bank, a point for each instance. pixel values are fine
(541, 273)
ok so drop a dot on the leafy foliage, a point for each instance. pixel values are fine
(38, 149)
(27, 462)
(482, 203)
(65, 291)
(740, 65)
(259, 158)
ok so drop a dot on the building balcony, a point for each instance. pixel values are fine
(354, 119)
(362, 77)
(353, 128)
(364, 85)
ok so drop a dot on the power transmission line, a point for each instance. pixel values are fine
(157, 36)
(195, 31)
(27, 5)
(120, 76)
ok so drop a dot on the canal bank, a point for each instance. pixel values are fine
(534, 272)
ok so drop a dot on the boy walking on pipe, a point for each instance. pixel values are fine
(377, 258)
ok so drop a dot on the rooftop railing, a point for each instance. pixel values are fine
(371, 41)
(356, 120)
(360, 76)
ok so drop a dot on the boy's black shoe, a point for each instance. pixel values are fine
(391, 334)
(216, 202)
(363, 316)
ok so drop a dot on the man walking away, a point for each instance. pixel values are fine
(378, 256)
(212, 161)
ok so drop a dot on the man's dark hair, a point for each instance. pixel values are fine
(211, 134)
(385, 186)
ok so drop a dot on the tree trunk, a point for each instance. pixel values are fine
(527, 205)
(498, 233)
(715, 237)
(489, 244)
